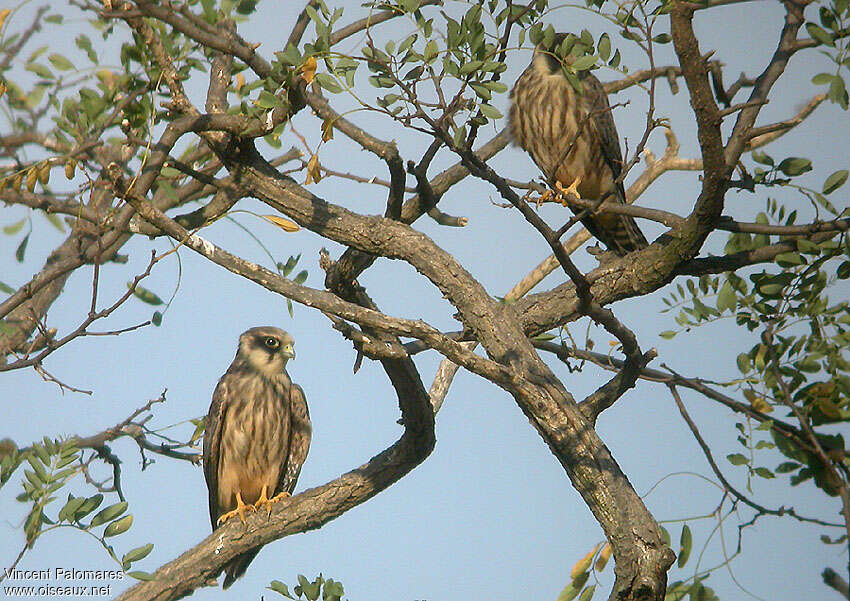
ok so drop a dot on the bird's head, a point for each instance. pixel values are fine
(551, 54)
(266, 349)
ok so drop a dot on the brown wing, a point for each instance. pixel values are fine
(212, 443)
(300, 430)
(620, 233)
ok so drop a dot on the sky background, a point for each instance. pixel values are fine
(490, 514)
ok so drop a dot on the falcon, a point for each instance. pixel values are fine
(572, 138)
(257, 433)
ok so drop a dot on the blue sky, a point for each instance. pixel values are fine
(490, 514)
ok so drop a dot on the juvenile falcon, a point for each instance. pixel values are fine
(573, 140)
(257, 433)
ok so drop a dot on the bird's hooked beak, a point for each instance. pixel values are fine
(288, 351)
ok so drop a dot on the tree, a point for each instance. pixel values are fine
(197, 114)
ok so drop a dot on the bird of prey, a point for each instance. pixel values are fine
(572, 138)
(257, 433)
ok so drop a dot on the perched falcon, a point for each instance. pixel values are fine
(257, 433)
(573, 139)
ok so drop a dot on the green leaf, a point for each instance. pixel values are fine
(685, 543)
(791, 259)
(39, 70)
(430, 52)
(469, 67)
(301, 277)
(835, 181)
(90, 505)
(312, 590)
(481, 91)
(267, 100)
(763, 472)
(496, 86)
(667, 334)
(70, 508)
(279, 587)
(156, 318)
(737, 459)
(819, 34)
(489, 111)
(60, 62)
(108, 513)
(145, 295)
(726, 298)
(291, 262)
(587, 594)
(603, 47)
(139, 575)
(795, 166)
(119, 526)
(572, 590)
(5, 288)
(54, 220)
(22, 249)
(787, 466)
(762, 158)
(14, 228)
(137, 554)
(822, 79)
(328, 83)
(584, 63)
(843, 271)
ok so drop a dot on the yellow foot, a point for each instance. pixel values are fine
(264, 500)
(240, 510)
(547, 196)
(572, 189)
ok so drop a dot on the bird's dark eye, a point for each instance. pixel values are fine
(272, 342)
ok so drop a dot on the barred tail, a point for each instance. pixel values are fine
(236, 568)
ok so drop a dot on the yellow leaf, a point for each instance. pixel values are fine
(3, 14)
(32, 177)
(44, 173)
(17, 180)
(106, 77)
(327, 130)
(583, 564)
(284, 224)
(314, 170)
(70, 168)
(240, 81)
(759, 404)
(603, 558)
(308, 69)
(2, 89)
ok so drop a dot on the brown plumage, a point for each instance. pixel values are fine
(257, 433)
(573, 140)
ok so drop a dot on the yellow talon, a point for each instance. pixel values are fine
(264, 500)
(545, 197)
(571, 189)
(240, 510)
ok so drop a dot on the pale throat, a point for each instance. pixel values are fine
(273, 367)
